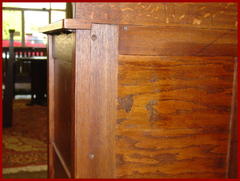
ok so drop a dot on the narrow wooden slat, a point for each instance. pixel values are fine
(50, 108)
(59, 169)
(96, 88)
(74, 132)
(232, 157)
(63, 163)
(82, 112)
(176, 41)
(65, 24)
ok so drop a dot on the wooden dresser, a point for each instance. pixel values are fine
(143, 90)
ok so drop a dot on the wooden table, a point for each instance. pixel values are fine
(38, 78)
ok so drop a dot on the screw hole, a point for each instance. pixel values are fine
(91, 156)
(94, 37)
(125, 28)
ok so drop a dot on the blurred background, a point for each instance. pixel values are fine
(24, 87)
(26, 18)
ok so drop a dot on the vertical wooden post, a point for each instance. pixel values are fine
(50, 107)
(96, 98)
(9, 85)
(232, 157)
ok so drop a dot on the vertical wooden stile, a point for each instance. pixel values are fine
(95, 101)
(232, 157)
(50, 107)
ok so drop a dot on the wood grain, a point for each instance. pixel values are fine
(96, 89)
(176, 41)
(204, 15)
(232, 159)
(82, 113)
(64, 25)
(64, 47)
(161, 109)
(173, 116)
(75, 24)
(50, 108)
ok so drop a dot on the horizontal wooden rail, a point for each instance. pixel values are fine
(63, 25)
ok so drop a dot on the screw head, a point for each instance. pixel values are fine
(125, 28)
(91, 156)
(94, 37)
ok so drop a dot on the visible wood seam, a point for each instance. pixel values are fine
(63, 163)
(158, 25)
(231, 119)
(211, 43)
(50, 107)
(73, 113)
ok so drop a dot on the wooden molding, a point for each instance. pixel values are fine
(64, 25)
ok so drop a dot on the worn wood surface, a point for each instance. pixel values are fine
(64, 47)
(96, 106)
(204, 15)
(173, 116)
(176, 41)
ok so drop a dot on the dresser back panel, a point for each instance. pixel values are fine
(176, 41)
(202, 15)
(173, 116)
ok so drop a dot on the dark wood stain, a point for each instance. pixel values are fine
(126, 103)
(153, 113)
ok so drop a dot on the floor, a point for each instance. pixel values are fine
(41, 174)
(25, 143)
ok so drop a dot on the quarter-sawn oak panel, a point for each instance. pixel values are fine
(173, 116)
